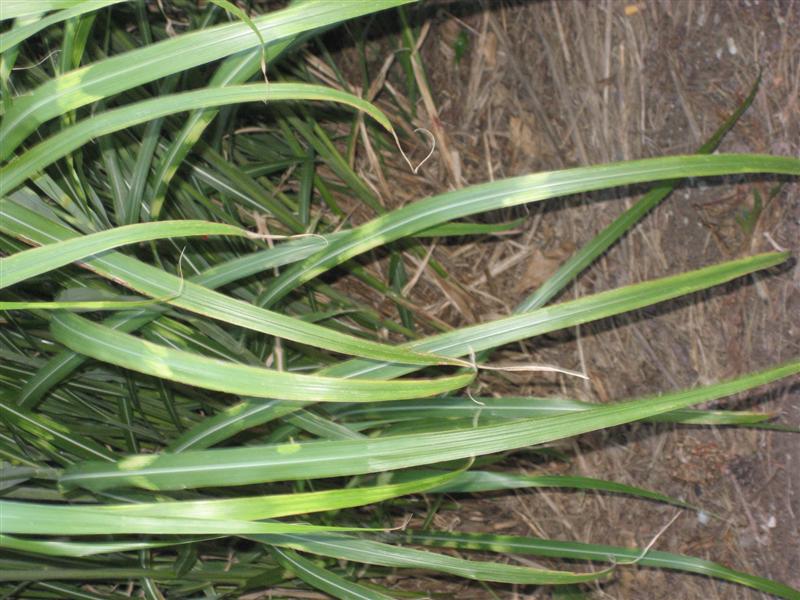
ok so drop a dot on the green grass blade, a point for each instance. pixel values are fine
(485, 409)
(116, 179)
(377, 553)
(173, 55)
(133, 202)
(62, 364)
(244, 266)
(595, 552)
(73, 44)
(321, 427)
(433, 211)
(66, 362)
(47, 519)
(80, 305)
(75, 549)
(30, 263)
(323, 579)
(14, 9)
(38, 573)
(308, 460)
(458, 229)
(230, 421)
(154, 282)
(284, 505)
(124, 350)
(488, 481)
(18, 35)
(74, 137)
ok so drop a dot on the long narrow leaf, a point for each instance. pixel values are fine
(489, 481)
(14, 9)
(567, 314)
(76, 549)
(240, 466)
(602, 553)
(19, 34)
(33, 262)
(512, 192)
(72, 138)
(235, 69)
(45, 428)
(377, 553)
(124, 350)
(283, 505)
(323, 579)
(65, 362)
(47, 519)
(486, 408)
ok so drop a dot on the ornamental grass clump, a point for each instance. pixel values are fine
(189, 403)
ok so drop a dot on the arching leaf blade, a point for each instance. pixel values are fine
(18, 35)
(515, 191)
(35, 261)
(284, 505)
(173, 55)
(76, 549)
(22, 167)
(323, 579)
(601, 553)
(29, 518)
(154, 282)
(124, 350)
(388, 555)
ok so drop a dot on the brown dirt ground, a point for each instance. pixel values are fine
(545, 85)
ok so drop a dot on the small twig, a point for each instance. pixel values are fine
(530, 367)
(432, 138)
(56, 51)
(777, 247)
(651, 544)
(270, 238)
(420, 269)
